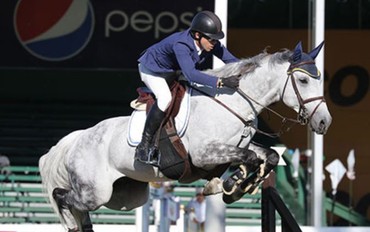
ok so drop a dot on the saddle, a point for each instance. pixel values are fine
(174, 162)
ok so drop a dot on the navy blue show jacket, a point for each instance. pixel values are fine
(178, 52)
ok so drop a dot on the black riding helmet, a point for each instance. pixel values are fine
(207, 23)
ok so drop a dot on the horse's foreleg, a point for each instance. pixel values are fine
(257, 165)
(231, 183)
(250, 163)
(270, 157)
(218, 153)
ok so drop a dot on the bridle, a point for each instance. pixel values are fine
(302, 117)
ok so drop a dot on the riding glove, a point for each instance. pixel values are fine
(231, 81)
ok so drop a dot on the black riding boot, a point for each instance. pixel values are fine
(152, 123)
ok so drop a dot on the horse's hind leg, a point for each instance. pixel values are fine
(65, 214)
(82, 222)
(69, 220)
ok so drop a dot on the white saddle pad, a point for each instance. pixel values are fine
(138, 117)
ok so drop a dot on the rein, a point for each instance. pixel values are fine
(250, 122)
(283, 121)
(302, 117)
(245, 122)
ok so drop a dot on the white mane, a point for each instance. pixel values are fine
(250, 64)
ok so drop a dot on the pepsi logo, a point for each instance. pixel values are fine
(54, 30)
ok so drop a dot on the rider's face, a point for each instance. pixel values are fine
(206, 43)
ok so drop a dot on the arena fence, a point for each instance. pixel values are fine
(272, 202)
(22, 200)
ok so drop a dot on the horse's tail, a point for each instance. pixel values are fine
(53, 169)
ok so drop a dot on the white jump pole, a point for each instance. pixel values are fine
(316, 141)
(215, 207)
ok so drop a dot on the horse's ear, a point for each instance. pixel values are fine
(316, 51)
(297, 52)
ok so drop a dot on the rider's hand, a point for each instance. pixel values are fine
(231, 81)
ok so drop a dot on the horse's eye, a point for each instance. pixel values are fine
(303, 80)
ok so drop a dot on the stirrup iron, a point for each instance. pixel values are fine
(154, 157)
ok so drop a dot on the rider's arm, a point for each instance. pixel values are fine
(187, 66)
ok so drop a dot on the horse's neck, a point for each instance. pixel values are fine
(263, 86)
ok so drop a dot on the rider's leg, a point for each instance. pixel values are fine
(158, 85)
(152, 123)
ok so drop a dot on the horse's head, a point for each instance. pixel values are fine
(302, 90)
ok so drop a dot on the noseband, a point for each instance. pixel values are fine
(303, 118)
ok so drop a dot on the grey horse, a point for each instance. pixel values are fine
(95, 167)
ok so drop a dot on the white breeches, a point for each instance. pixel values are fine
(156, 82)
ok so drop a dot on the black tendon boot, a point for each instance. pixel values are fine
(152, 123)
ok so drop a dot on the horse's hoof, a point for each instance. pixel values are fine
(228, 199)
(253, 189)
(235, 196)
(262, 169)
(74, 230)
(212, 187)
(231, 183)
(87, 228)
(254, 192)
(243, 170)
(229, 186)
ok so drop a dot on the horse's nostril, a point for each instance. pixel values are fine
(323, 126)
(322, 123)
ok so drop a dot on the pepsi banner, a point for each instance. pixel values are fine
(83, 34)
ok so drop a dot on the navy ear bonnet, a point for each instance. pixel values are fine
(304, 62)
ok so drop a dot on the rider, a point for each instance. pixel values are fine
(188, 51)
